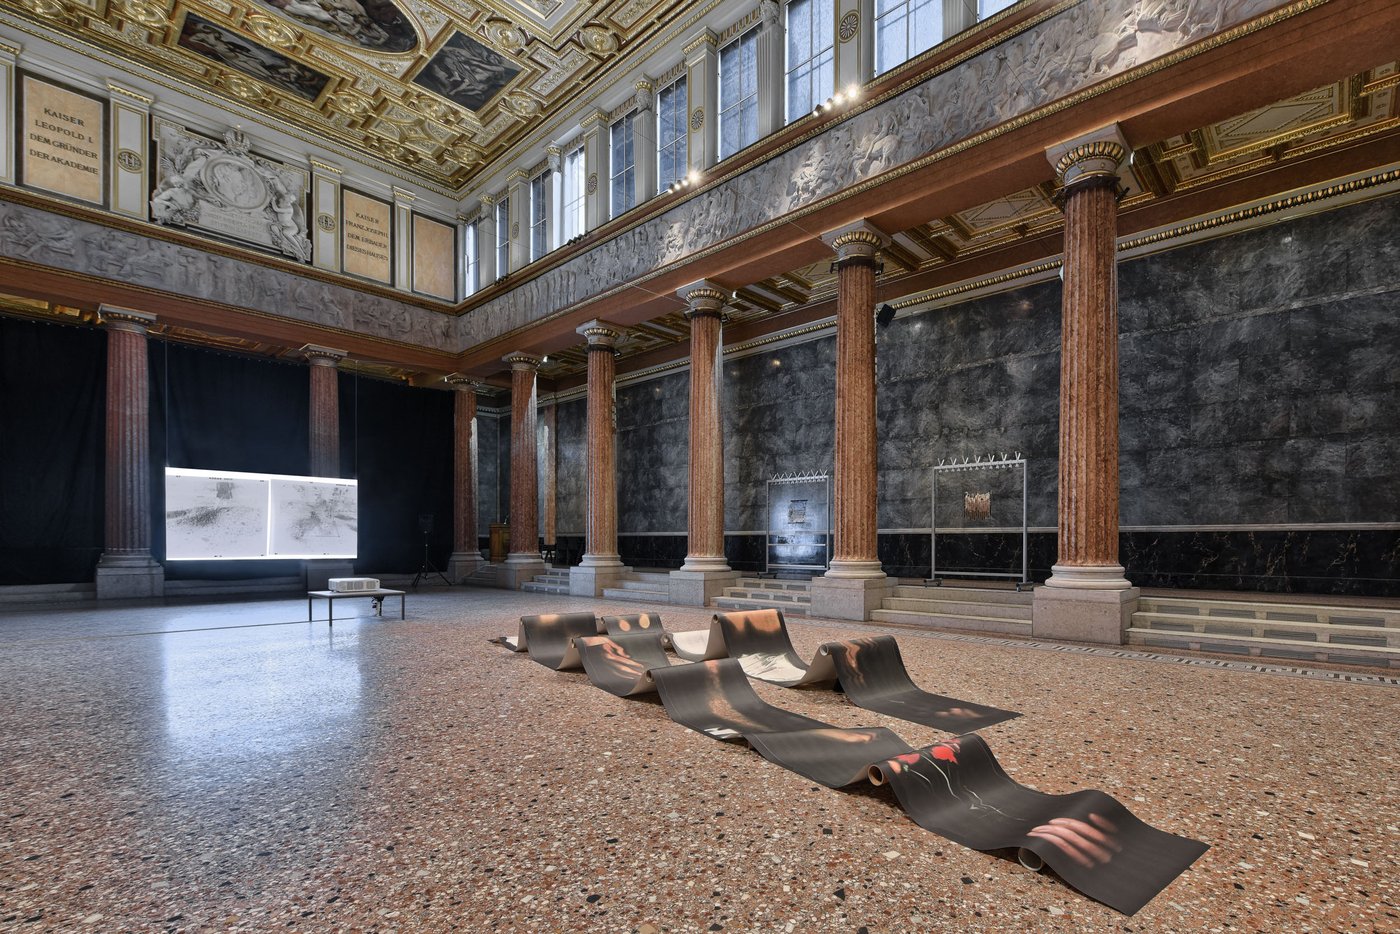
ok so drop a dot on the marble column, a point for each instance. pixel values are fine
(523, 561)
(1087, 598)
(854, 584)
(126, 568)
(324, 416)
(325, 409)
(466, 548)
(601, 565)
(705, 572)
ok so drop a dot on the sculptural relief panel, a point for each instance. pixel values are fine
(69, 244)
(1030, 70)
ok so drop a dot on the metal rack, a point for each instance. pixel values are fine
(980, 463)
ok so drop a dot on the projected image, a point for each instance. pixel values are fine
(226, 515)
(313, 518)
(215, 517)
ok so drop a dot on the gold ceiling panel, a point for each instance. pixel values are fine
(436, 88)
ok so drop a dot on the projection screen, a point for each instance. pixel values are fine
(227, 515)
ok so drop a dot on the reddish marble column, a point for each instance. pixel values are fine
(855, 553)
(126, 568)
(325, 409)
(1088, 468)
(466, 549)
(601, 545)
(705, 547)
(524, 471)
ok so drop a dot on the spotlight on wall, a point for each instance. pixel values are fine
(683, 182)
(884, 315)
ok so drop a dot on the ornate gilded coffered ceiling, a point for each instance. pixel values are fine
(1326, 118)
(435, 88)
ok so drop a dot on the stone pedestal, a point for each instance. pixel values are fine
(126, 569)
(1083, 615)
(698, 587)
(466, 553)
(849, 597)
(601, 565)
(519, 570)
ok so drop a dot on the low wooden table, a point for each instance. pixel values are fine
(330, 596)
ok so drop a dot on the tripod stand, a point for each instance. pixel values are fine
(425, 525)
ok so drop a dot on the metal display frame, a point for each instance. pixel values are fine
(779, 479)
(990, 462)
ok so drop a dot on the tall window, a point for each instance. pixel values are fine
(811, 69)
(473, 248)
(571, 217)
(738, 94)
(986, 8)
(903, 29)
(503, 235)
(623, 165)
(670, 134)
(539, 199)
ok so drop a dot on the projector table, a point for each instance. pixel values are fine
(330, 596)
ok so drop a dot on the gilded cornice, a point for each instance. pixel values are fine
(136, 97)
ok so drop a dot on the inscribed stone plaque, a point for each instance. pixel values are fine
(367, 249)
(434, 259)
(64, 139)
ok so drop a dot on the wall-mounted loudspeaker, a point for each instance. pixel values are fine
(884, 315)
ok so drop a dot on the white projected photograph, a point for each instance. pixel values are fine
(216, 516)
(314, 518)
(228, 515)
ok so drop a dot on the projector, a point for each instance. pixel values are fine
(353, 584)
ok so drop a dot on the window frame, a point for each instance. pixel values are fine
(677, 151)
(818, 59)
(502, 210)
(748, 39)
(539, 215)
(624, 169)
(572, 178)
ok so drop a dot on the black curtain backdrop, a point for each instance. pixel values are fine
(53, 383)
(403, 460)
(222, 411)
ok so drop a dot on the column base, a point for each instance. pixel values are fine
(319, 573)
(697, 587)
(1083, 614)
(129, 577)
(593, 573)
(855, 570)
(836, 597)
(463, 564)
(519, 570)
(1088, 577)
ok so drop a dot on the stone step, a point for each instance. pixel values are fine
(741, 603)
(778, 597)
(643, 596)
(984, 595)
(1375, 617)
(253, 586)
(656, 577)
(958, 607)
(761, 583)
(632, 583)
(1335, 633)
(917, 620)
(537, 586)
(1223, 644)
(555, 575)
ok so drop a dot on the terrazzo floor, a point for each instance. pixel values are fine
(231, 767)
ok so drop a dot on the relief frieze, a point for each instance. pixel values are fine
(1060, 56)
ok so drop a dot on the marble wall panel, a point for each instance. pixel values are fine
(488, 471)
(571, 468)
(653, 450)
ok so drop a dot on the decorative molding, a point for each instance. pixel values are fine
(600, 334)
(1099, 154)
(521, 360)
(317, 355)
(849, 26)
(125, 319)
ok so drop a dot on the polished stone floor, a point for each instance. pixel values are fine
(231, 767)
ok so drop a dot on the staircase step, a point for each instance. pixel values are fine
(762, 583)
(777, 596)
(983, 595)
(536, 586)
(48, 593)
(742, 603)
(958, 607)
(918, 620)
(1375, 617)
(1334, 633)
(1228, 644)
(656, 577)
(631, 583)
(644, 596)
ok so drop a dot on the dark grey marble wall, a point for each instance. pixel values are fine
(653, 450)
(571, 468)
(488, 473)
(779, 417)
